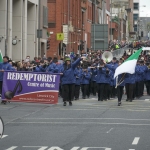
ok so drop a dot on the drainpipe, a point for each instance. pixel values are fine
(6, 41)
(39, 26)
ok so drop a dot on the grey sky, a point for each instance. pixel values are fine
(145, 11)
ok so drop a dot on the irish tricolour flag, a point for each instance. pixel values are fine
(129, 65)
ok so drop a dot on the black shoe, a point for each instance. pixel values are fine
(98, 99)
(3, 102)
(127, 100)
(119, 103)
(130, 100)
(83, 97)
(65, 103)
(70, 103)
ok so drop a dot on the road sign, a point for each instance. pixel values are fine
(60, 36)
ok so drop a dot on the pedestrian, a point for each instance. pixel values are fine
(4, 66)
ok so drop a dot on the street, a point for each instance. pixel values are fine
(87, 125)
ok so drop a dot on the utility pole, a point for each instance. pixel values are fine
(67, 49)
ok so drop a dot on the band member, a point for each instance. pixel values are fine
(85, 81)
(101, 80)
(112, 66)
(78, 72)
(67, 80)
(93, 81)
(120, 83)
(130, 84)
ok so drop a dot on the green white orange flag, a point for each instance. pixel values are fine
(129, 65)
(1, 56)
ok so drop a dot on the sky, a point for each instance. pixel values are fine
(145, 11)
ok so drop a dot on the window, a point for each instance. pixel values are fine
(135, 28)
(135, 16)
(52, 25)
(136, 6)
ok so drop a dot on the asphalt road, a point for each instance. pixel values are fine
(87, 125)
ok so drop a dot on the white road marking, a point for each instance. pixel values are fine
(131, 149)
(147, 99)
(80, 123)
(75, 148)
(40, 147)
(91, 148)
(110, 130)
(86, 119)
(12, 148)
(4, 136)
(136, 140)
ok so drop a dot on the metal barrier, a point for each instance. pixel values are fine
(119, 52)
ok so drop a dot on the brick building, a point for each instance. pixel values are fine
(74, 17)
(61, 13)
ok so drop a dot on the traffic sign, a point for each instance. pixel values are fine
(60, 36)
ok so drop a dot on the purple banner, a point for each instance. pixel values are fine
(31, 87)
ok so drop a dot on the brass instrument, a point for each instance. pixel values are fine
(107, 56)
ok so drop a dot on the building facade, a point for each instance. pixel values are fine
(74, 18)
(18, 28)
(122, 19)
(145, 28)
(136, 12)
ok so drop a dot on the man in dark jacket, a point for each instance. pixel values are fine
(5, 65)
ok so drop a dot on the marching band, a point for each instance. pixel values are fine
(91, 72)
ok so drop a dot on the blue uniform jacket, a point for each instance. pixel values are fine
(130, 78)
(52, 68)
(85, 77)
(77, 73)
(102, 76)
(68, 76)
(121, 80)
(39, 69)
(4, 66)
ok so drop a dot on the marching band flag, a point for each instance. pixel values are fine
(129, 65)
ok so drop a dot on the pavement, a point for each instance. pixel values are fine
(87, 125)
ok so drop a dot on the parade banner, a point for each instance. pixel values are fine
(31, 87)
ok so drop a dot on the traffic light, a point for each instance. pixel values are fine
(48, 44)
(82, 46)
(141, 33)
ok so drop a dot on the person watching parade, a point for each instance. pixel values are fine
(4, 66)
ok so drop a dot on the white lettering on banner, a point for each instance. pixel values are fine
(33, 84)
(50, 85)
(29, 76)
(55, 148)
